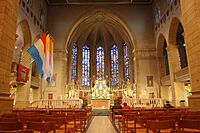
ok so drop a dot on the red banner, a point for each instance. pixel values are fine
(22, 73)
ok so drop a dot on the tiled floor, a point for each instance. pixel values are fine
(101, 124)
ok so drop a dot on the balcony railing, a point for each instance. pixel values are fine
(182, 75)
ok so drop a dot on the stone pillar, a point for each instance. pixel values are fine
(59, 76)
(79, 65)
(165, 92)
(180, 92)
(66, 62)
(137, 78)
(8, 19)
(22, 95)
(121, 62)
(134, 74)
(23, 90)
(191, 18)
(172, 67)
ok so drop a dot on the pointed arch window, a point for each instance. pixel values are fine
(126, 63)
(114, 66)
(100, 63)
(74, 63)
(85, 66)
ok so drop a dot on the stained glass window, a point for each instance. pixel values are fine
(169, 2)
(126, 63)
(74, 63)
(86, 66)
(29, 2)
(114, 66)
(157, 14)
(100, 63)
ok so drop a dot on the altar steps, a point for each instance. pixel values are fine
(100, 112)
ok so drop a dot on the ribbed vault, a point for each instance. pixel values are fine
(100, 28)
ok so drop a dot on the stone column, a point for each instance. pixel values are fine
(66, 62)
(134, 73)
(191, 18)
(60, 76)
(121, 62)
(172, 67)
(23, 90)
(137, 73)
(23, 93)
(8, 20)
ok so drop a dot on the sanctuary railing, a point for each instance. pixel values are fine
(67, 103)
(149, 102)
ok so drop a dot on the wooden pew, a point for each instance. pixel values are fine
(156, 125)
(10, 126)
(42, 126)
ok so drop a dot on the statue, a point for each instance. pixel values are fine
(100, 90)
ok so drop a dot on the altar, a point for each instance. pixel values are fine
(100, 103)
(100, 90)
(100, 95)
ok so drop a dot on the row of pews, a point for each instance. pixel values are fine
(174, 120)
(45, 120)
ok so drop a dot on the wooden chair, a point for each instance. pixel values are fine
(8, 119)
(44, 127)
(25, 120)
(117, 115)
(142, 120)
(193, 117)
(129, 122)
(185, 132)
(169, 117)
(18, 131)
(59, 121)
(190, 124)
(79, 123)
(70, 123)
(156, 125)
(9, 115)
(10, 126)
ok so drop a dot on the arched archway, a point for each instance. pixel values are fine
(23, 42)
(177, 45)
(178, 60)
(163, 55)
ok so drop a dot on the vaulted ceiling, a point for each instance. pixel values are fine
(100, 29)
(97, 2)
